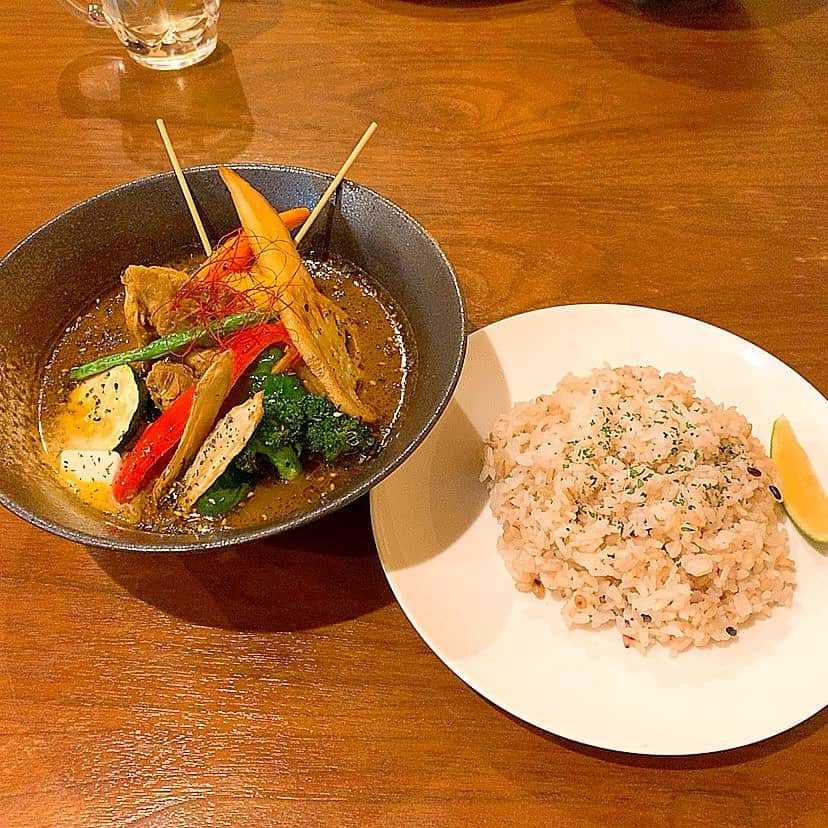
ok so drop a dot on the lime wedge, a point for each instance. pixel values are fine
(803, 496)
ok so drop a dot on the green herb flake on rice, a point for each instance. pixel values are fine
(628, 497)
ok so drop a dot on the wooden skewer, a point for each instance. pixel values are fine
(337, 180)
(182, 182)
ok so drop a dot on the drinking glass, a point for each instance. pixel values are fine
(160, 34)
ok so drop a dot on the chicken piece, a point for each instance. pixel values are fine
(198, 359)
(317, 327)
(148, 305)
(210, 392)
(226, 440)
(166, 381)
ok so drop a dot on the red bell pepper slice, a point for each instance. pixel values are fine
(161, 436)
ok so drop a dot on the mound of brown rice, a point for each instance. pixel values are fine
(637, 503)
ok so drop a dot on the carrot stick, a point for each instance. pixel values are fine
(235, 253)
(294, 217)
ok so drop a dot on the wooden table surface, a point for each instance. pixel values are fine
(560, 152)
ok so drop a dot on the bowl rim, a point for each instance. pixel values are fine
(221, 540)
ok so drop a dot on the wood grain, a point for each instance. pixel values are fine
(561, 152)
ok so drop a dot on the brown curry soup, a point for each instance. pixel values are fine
(386, 355)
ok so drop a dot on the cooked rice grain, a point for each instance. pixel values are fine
(630, 499)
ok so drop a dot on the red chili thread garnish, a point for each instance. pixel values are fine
(227, 282)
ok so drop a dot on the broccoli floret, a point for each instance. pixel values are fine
(253, 456)
(247, 460)
(281, 388)
(318, 408)
(264, 365)
(284, 414)
(294, 422)
(285, 460)
(330, 433)
(279, 435)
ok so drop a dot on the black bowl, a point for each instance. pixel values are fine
(54, 274)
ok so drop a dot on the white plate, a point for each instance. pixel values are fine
(437, 543)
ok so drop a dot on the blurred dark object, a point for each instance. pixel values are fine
(718, 14)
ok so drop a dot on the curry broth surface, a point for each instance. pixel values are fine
(385, 354)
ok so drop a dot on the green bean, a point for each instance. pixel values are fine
(166, 344)
(286, 461)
